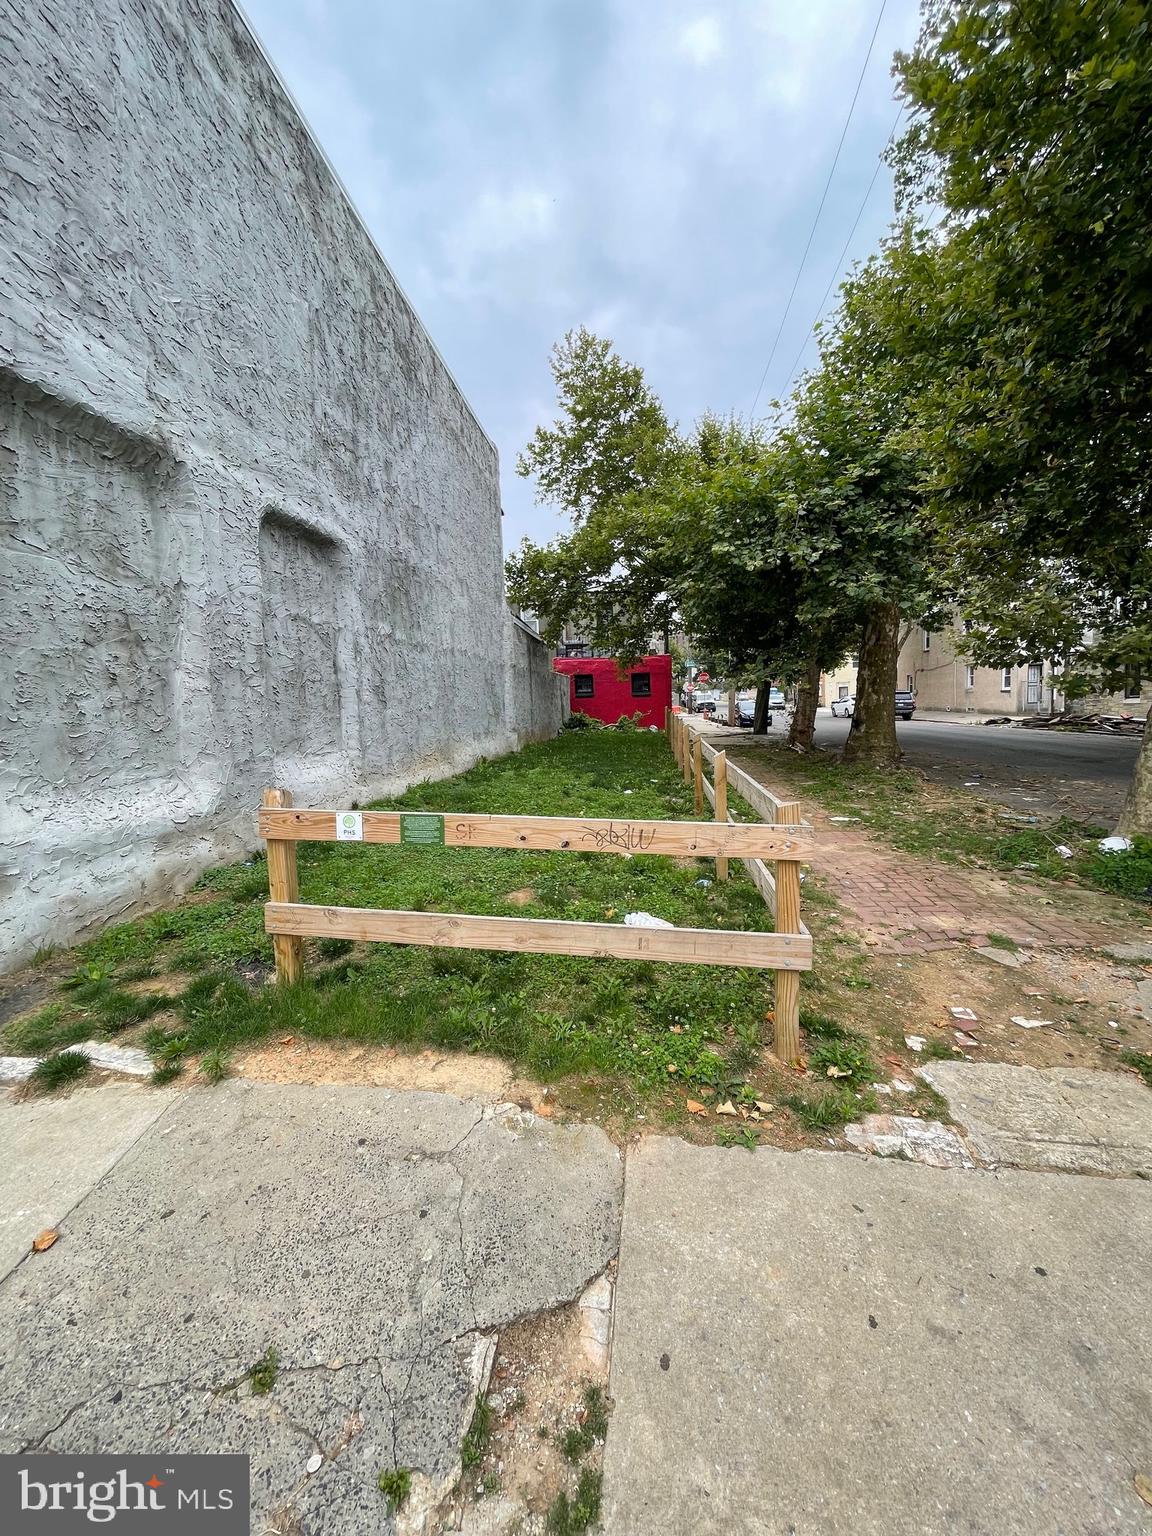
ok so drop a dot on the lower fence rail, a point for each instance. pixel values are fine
(785, 841)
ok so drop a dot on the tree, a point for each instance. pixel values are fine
(861, 527)
(612, 438)
(1032, 128)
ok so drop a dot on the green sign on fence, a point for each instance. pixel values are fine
(422, 828)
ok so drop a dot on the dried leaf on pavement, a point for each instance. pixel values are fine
(44, 1239)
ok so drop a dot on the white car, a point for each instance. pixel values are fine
(844, 707)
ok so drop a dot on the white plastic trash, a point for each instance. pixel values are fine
(1114, 844)
(645, 920)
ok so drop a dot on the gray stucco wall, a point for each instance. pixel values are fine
(249, 527)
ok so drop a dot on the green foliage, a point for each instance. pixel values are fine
(475, 1444)
(58, 1070)
(215, 1065)
(166, 1072)
(577, 1442)
(334, 949)
(572, 1517)
(818, 1026)
(827, 1108)
(940, 1050)
(53, 1028)
(743, 1136)
(612, 435)
(846, 1060)
(1142, 1061)
(262, 1376)
(396, 1485)
(1029, 131)
(1128, 873)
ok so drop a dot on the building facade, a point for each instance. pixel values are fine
(251, 527)
(603, 690)
(942, 680)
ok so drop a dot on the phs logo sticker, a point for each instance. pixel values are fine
(149, 1495)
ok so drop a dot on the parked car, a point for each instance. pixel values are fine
(746, 708)
(905, 705)
(707, 707)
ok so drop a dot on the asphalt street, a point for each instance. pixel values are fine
(1068, 773)
(1066, 754)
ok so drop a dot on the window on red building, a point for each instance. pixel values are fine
(641, 685)
(583, 685)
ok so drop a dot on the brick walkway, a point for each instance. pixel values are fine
(905, 904)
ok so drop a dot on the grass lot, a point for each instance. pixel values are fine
(907, 812)
(640, 1021)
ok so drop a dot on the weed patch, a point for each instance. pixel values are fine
(593, 1427)
(396, 1486)
(829, 1108)
(848, 1061)
(55, 1071)
(479, 1434)
(262, 1376)
(572, 1517)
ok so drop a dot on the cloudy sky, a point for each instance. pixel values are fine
(648, 168)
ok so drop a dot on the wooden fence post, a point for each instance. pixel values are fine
(284, 885)
(686, 749)
(787, 1032)
(720, 784)
(668, 721)
(698, 775)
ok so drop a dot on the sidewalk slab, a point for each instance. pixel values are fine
(374, 1240)
(817, 1344)
(1069, 1119)
(55, 1150)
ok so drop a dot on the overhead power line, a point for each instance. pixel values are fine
(836, 270)
(820, 208)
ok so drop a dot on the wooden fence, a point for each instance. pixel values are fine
(787, 951)
(780, 886)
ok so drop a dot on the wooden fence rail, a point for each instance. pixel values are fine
(290, 921)
(780, 887)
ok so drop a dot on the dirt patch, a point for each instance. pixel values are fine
(1086, 998)
(293, 1059)
(541, 1377)
(521, 898)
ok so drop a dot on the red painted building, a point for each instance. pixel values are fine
(599, 688)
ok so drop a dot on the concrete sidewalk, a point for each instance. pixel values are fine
(804, 1344)
(815, 1344)
(376, 1241)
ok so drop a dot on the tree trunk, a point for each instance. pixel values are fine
(1137, 813)
(761, 714)
(731, 706)
(872, 735)
(803, 725)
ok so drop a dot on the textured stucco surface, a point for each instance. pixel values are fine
(249, 527)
